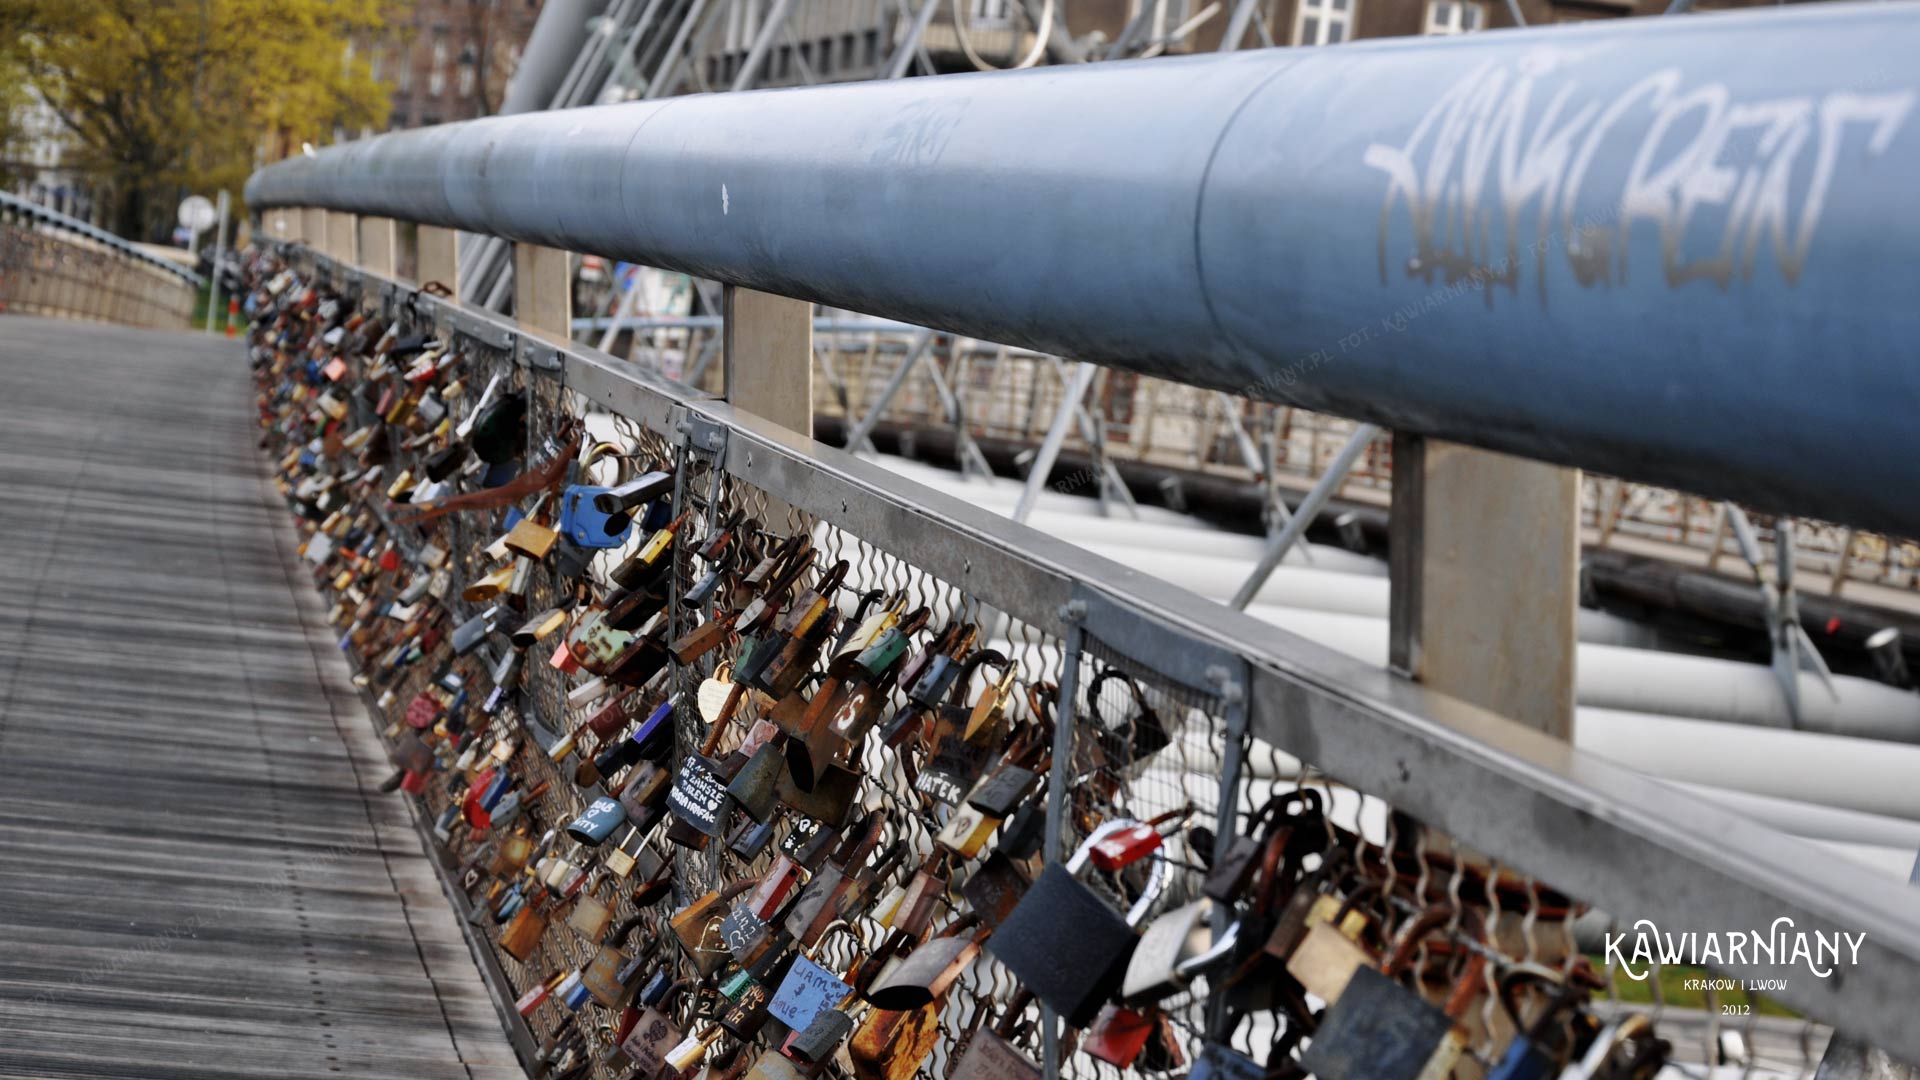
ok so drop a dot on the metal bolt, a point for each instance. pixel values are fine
(1073, 611)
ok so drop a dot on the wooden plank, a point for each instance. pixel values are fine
(198, 877)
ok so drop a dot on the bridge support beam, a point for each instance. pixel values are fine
(769, 357)
(375, 239)
(313, 227)
(340, 238)
(1484, 554)
(436, 257)
(543, 290)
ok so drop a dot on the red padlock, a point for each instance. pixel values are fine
(1118, 1035)
(1136, 842)
(532, 999)
(422, 711)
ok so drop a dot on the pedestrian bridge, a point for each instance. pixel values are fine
(198, 875)
(573, 609)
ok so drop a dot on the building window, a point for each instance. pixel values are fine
(1323, 22)
(992, 12)
(469, 70)
(403, 71)
(872, 40)
(437, 74)
(847, 56)
(1454, 17)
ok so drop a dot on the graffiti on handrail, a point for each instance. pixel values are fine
(1725, 182)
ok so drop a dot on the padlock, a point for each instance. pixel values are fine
(995, 887)
(691, 1049)
(966, 831)
(866, 623)
(584, 524)
(597, 821)
(779, 882)
(750, 838)
(714, 545)
(990, 708)
(1605, 1060)
(1144, 734)
(590, 915)
(645, 566)
(1218, 1061)
(1062, 940)
(989, 1055)
(697, 927)
(755, 787)
(1377, 1029)
(832, 797)
(1122, 847)
(521, 938)
(815, 908)
(893, 1045)
(628, 496)
(929, 970)
(531, 539)
(538, 628)
(1326, 961)
(1229, 877)
(809, 989)
(498, 430)
(1118, 1035)
(537, 995)
(1539, 1050)
(1175, 949)
(620, 861)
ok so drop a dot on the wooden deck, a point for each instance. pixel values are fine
(198, 877)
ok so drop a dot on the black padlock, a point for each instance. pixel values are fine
(631, 495)
(1065, 943)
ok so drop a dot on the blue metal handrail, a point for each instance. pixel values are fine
(1672, 250)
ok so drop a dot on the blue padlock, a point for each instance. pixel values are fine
(807, 989)
(586, 525)
(1531, 1055)
(659, 516)
(598, 821)
(500, 474)
(1217, 1061)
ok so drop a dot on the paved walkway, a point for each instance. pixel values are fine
(198, 877)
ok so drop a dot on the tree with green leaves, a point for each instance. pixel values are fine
(170, 97)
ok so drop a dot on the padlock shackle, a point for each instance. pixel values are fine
(1407, 941)
(1099, 680)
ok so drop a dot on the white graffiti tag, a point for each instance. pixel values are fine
(1723, 182)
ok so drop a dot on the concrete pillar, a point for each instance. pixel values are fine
(769, 357)
(340, 243)
(436, 257)
(406, 251)
(375, 239)
(313, 228)
(1484, 554)
(543, 290)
